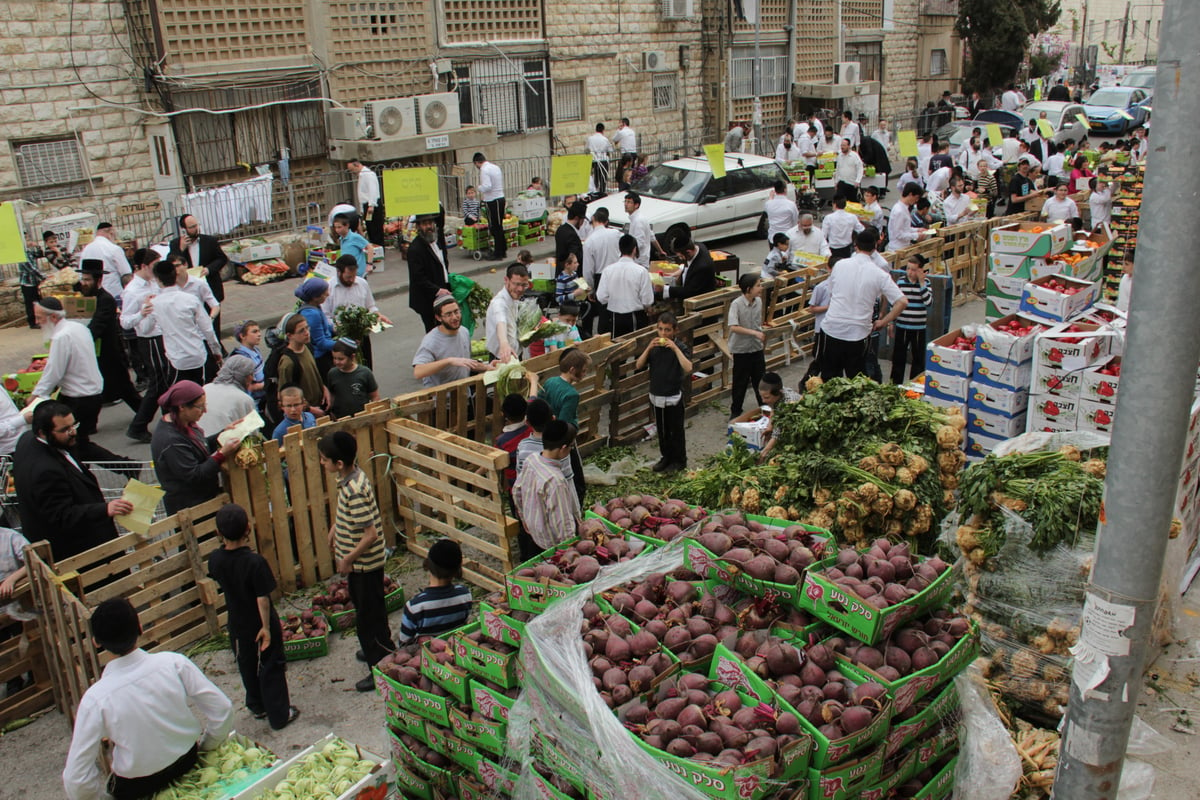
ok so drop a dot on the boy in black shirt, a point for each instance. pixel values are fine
(254, 629)
(670, 365)
(1020, 189)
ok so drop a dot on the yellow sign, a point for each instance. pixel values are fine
(1123, 113)
(570, 174)
(410, 191)
(12, 243)
(1082, 119)
(716, 158)
(995, 135)
(907, 142)
(1046, 129)
(1037, 89)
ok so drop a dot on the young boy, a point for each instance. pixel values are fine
(354, 244)
(351, 385)
(445, 605)
(470, 207)
(254, 629)
(548, 507)
(563, 397)
(357, 546)
(670, 365)
(568, 314)
(1125, 288)
(985, 185)
(818, 304)
(565, 288)
(249, 336)
(746, 340)
(779, 259)
(871, 203)
(515, 429)
(908, 331)
(295, 412)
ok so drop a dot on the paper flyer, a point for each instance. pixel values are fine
(145, 499)
(248, 425)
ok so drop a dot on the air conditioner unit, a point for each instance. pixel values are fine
(846, 72)
(655, 61)
(390, 119)
(677, 9)
(438, 113)
(346, 123)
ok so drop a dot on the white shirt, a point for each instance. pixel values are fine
(939, 180)
(1054, 166)
(1100, 202)
(956, 208)
(781, 215)
(491, 182)
(816, 123)
(72, 366)
(358, 294)
(1056, 211)
(368, 188)
(839, 228)
(626, 139)
(882, 136)
(1010, 150)
(785, 154)
(199, 289)
(813, 242)
(599, 146)
(877, 220)
(140, 704)
(969, 160)
(1033, 160)
(115, 263)
(924, 153)
(601, 248)
(502, 309)
(137, 292)
(849, 168)
(853, 132)
(808, 144)
(799, 129)
(640, 229)
(855, 284)
(626, 287)
(901, 232)
(12, 424)
(1124, 293)
(186, 328)
(1010, 101)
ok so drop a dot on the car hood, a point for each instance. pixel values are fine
(1101, 112)
(659, 213)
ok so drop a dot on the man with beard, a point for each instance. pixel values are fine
(444, 354)
(59, 498)
(106, 329)
(503, 336)
(428, 277)
(350, 289)
(201, 250)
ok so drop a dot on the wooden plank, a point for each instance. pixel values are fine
(259, 511)
(280, 530)
(419, 459)
(461, 506)
(321, 499)
(474, 453)
(301, 521)
(199, 570)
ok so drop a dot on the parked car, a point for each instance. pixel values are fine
(1104, 106)
(681, 198)
(982, 120)
(960, 133)
(1063, 117)
(1142, 79)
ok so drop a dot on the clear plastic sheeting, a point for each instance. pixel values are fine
(1039, 442)
(988, 765)
(621, 468)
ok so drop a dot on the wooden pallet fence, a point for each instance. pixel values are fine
(22, 655)
(712, 367)
(450, 486)
(790, 335)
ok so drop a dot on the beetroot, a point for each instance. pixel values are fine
(786, 574)
(681, 592)
(710, 742)
(692, 715)
(868, 691)
(617, 649)
(641, 677)
(855, 718)
(670, 708)
(716, 542)
(613, 677)
(681, 748)
(869, 657)
(677, 639)
(698, 626)
(812, 674)
(821, 656)
(642, 643)
(923, 657)
(898, 659)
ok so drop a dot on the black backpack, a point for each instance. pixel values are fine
(276, 341)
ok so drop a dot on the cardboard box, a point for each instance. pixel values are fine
(994, 423)
(1003, 375)
(1099, 388)
(1033, 239)
(980, 443)
(709, 566)
(542, 270)
(479, 658)
(1072, 350)
(940, 357)
(999, 307)
(924, 714)
(948, 386)
(994, 344)
(1005, 265)
(261, 252)
(1008, 288)
(382, 774)
(1055, 414)
(846, 781)
(1056, 382)
(1037, 298)
(996, 400)
(1095, 416)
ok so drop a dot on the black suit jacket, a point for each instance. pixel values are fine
(701, 277)
(57, 501)
(1059, 93)
(567, 241)
(106, 329)
(426, 275)
(211, 256)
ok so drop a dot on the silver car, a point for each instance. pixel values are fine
(1063, 117)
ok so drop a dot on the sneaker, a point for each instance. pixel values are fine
(293, 715)
(661, 466)
(367, 684)
(138, 436)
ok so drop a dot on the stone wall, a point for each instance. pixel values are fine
(898, 95)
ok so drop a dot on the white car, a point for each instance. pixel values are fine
(681, 198)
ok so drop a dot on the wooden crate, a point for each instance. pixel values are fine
(23, 655)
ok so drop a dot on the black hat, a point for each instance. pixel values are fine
(51, 303)
(92, 266)
(446, 554)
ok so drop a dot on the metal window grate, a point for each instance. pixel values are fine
(48, 163)
(937, 62)
(776, 73)
(513, 96)
(665, 89)
(470, 21)
(568, 101)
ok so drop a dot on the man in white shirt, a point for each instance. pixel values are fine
(601, 149)
(503, 335)
(848, 173)
(626, 290)
(135, 316)
(924, 153)
(970, 157)
(855, 285)
(198, 289)
(809, 147)
(625, 139)
(600, 248)
(815, 122)
(640, 230)
(141, 706)
(116, 266)
(370, 200)
(1059, 207)
(351, 290)
(1055, 166)
(788, 151)
(188, 337)
(851, 130)
(882, 135)
(807, 238)
(939, 181)
(1011, 99)
(781, 212)
(839, 229)
(491, 189)
(957, 206)
(901, 232)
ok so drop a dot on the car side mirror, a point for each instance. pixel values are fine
(708, 198)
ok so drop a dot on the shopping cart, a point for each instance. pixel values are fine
(111, 475)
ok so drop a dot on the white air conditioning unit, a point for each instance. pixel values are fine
(846, 72)
(438, 113)
(677, 9)
(655, 61)
(346, 123)
(390, 119)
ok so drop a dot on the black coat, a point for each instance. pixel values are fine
(567, 241)
(186, 470)
(106, 329)
(58, 502)
(1059, 93)
(701, 277)
(211, 256)
(875, 155)
(426, 275)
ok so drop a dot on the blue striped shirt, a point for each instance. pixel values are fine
(434, 611)
(913, 317)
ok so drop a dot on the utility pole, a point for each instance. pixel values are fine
(1124, 31)
(1147, 442)
(1083, 43)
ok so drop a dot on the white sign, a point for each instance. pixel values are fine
(437, 142)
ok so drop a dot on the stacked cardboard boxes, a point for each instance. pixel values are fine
(1064, 356)
(948, 365)
(1029, 251)
(999, 389)
(1126, 209)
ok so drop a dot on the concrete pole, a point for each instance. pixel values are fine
(1148, 440)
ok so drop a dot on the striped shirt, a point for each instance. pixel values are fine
(919, 299)
(357, 511)
(546, 501)
(435, 610)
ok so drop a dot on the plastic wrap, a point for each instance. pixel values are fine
(621, 468)
(988, 765)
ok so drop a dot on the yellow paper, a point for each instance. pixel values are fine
(716, 158)
(410, 191)
(196, 272)
(1037, 89)
(12, 243)
(907, 142)
(248, 425)
(570, 174)
(1046, 129)
(1082, 119)
(995, 135)
(145, 499)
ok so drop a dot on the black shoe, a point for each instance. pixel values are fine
(258, 714)
(293, 715)
(661, 466)
(675, 468)
(367, 684)
(35, 327)
(138, 436)
(361, 656)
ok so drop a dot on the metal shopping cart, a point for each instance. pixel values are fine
(111, 475)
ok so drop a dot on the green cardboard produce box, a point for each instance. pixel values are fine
(441, 779)
(445, 742)
(845, 780)
(489, 734)
(432, 707)
(500, 625)
(905, 731)
(490, 703)
(892, 773)
(453, 679)
(547, 752)
(300, 649)
(484, 661)
(412, 785)
(403, 720)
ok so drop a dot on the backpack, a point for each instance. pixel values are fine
(276, 341)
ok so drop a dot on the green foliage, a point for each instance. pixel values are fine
(997, 34)
(354, 322)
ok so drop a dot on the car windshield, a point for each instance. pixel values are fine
(1112, 98)
(1052, 116)
(672, 183)
(1143, 80)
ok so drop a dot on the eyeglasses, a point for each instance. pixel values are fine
(63, 431)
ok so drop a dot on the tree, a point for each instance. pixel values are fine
(997, 34)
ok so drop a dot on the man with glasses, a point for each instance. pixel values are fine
(59, 499)
(444, 354)
(503, 338)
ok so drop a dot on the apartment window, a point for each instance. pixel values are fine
(568, 101)
(512, 95)
(869, 56)
(664, 86)
(937, 62)
(775, 76)
(51, 169)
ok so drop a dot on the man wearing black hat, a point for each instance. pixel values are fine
(116, 265)
(566, 238)
(202, 250)
(428, 277)
(106, 329)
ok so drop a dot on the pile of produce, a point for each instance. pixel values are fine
(337, 596)
(305, 626)
(324, 774)
(354, 322)
(233, 763)
(884, 576)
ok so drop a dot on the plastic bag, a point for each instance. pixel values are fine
(621, 468)
(460, 287)
(988, 765)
